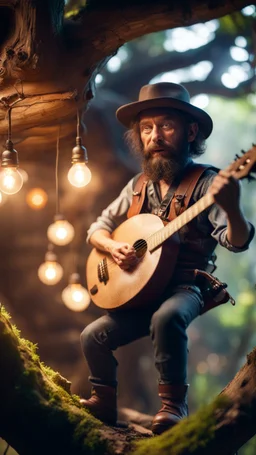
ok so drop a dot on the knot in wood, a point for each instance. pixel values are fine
(10, 53)
(22, 56)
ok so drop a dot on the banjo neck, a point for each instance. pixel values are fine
(159, 237)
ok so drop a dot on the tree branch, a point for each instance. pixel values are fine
(112, 27)
(40, 109)
(49, 55)
(36, 405)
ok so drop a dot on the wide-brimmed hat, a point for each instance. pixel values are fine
(164, 94)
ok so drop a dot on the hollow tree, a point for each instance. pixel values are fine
(48, 63)
(48, 66)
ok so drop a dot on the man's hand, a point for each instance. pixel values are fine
(123, 254)
(226, 191)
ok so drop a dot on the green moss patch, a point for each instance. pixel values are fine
(188, 436)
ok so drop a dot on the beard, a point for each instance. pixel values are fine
(167, 168)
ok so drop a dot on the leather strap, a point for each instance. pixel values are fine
(183, 193)
(181, 197)
(138, 196)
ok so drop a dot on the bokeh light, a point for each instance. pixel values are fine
(36, 198)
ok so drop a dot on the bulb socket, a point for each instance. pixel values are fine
(79, 152)
(58, 217)
(50, 257)
(74, 278)
(9, 156)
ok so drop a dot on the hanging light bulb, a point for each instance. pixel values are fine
(75, 296)
(61, 232)
(79, 174)
(11, 179)
(50, 272)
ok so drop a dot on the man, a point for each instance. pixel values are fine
(167, 131)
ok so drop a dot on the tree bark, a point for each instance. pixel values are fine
(39, 414)
(45, 59)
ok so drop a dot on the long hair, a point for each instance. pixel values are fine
(133, 140)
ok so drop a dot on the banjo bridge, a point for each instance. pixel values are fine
(103, 271)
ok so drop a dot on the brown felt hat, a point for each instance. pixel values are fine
(164, 94)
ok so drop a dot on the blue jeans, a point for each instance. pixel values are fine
(166, 323)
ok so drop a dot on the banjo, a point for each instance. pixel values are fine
(157, 247)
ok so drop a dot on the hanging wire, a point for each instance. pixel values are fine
(6, 450)
(57, 173)
(9, 107)
(9, 123)
(77, 123)
(21, 94)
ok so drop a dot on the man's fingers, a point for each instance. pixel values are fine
(124, 255)
(127, 250)
(223, 181)
(126, 263)
(224, 173)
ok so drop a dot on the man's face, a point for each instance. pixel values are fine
(165, 135)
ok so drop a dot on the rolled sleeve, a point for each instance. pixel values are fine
(109, 218)
(236, 249)
(218, 219)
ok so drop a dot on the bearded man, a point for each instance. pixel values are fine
(167, 131)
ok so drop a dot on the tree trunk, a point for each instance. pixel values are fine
(48, 64)
(39, 414)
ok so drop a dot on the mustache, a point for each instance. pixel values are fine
(159, 145)
(154, 149)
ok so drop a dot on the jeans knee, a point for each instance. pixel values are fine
(87, 338)
(170, 322)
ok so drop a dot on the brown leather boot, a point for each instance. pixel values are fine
(102, 403)
(174, 400)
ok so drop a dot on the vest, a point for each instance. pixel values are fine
(181, 196)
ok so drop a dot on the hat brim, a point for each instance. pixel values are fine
(127, 114)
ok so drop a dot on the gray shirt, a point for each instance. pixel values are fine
(198, 238)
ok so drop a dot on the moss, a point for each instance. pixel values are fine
(31, 347)
(62, 408)
(190, 435)
(62, 382)
(25, 344)
(4, 313)
(42, 398)
(6, 317)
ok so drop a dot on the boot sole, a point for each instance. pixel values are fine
(160, 428)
